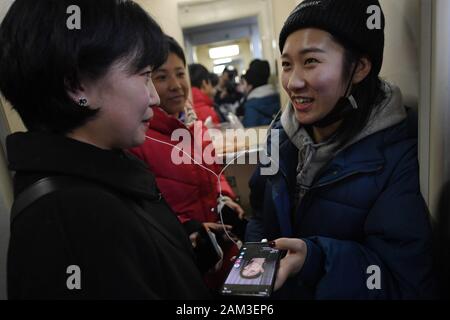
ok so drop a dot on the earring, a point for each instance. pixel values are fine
(82, 102)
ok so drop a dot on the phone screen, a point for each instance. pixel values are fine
(253, 272)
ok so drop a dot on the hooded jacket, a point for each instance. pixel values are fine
(120, 254)
(358, 209)
(261, 106)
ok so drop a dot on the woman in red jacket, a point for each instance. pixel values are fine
(190, 190)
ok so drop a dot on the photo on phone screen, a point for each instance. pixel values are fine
(253, 272)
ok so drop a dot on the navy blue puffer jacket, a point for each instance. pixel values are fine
(363, 212)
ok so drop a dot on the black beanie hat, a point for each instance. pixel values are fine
(349, 21)
(258, 73)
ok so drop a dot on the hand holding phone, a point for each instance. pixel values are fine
(293, 262)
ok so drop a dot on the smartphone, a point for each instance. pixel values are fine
(253, 272)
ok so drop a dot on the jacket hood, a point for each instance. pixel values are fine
(262, 91)
(43, 154)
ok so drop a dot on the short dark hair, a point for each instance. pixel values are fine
(198, 73)
(258, 73)
(174, 47)
(41, 59)
(214, 79)
(231, 72)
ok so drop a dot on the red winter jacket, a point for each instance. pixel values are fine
(190, 190)
(204, 106)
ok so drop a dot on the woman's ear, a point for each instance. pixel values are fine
(75, 92)
(362, 70)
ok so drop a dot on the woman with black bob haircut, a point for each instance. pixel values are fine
(87, 221)
(346, 200)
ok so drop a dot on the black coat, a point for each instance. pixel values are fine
(119, 253)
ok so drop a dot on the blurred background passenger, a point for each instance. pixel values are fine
(203, 93)
(228, 97)
(262, 101)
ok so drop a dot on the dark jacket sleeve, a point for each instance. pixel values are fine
(397, 243)
(100, 235)
(255, 230)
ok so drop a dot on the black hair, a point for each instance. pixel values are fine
(198, 73)
(231, 72)
(368, 93)
(41, 59)
(174, 47)
(214, 79)
(258, 73)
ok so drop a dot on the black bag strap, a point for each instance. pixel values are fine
(49, 185)
(39, 189)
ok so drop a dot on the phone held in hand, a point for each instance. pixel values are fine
(253, 272)
(230, 217)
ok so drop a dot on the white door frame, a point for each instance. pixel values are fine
(434, 109)
(192, 14)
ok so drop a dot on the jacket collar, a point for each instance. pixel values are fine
(262, 91)
(50, 154)
(360, 157)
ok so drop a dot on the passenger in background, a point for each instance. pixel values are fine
(347, 191)
(262, 101)
(228, 97)
(92, 224)
(214, 78)
(203, 93)
(190, 190)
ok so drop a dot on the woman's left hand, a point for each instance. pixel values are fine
(237, 208)
(293, 262)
